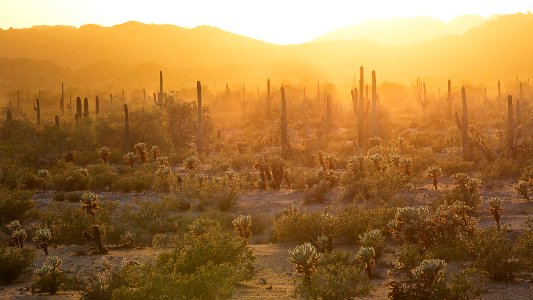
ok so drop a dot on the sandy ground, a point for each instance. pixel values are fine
(274, 278)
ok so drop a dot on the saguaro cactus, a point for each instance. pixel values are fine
(462, 124)
(37, 108)
(85, 108)
(97, 104)
(360, 114)
(78, 106)
(449, 101)
(9, 116)
(126, 129)
(62, 101)
(284, 126)
(510, 125)
(200, 127)
(499, 92)
(269, 99)
(161, 99)
(56, 121)
(374, 105)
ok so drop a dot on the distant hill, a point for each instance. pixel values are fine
(403, 31)
(130, 56)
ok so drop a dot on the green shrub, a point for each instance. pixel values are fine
(354, 221)
(465, 190)
(68, 177)
(453, 165)
(316, 193)
(524, 250)
(501, 168)
(102, 176)
(493, 254)
(138, 181)
(14, 262)
(15, 204)
(294, 225)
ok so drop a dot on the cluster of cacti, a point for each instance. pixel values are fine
(523, 188)
(327, 161)
(243, 226)
(367, 255)
(104, 153)
(304, 257)
(17, 233)
(357, 162)
(191, 162)
(430, 271)
(466, 189)
(434, 173)
(155, 152)
(142, 152)
(495, 207)
(42, 237)
(271, 174)
(89, 203)
(129, 158)
(462, 124)
(375, 239)
(50, 276)
(409, 223)
(96, 236)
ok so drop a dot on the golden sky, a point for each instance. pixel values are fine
(276, 21)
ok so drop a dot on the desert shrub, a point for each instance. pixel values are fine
(373, 239)
(379, 187)
(295, 225)
(102, 285)
(453, 165)
(302, 178)
(527, 173)
(14, 262)
(136, 180)
(524, 250)
(49, 278)
(205, 266)
(316, 193)
(465, 190)
(493, 254)
(13, 175)
(220, 192)
(102, 176)
(355, 221)
(501, 168)
(15, 204)
(145, 214)
(68, 177)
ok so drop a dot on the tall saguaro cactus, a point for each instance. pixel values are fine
(86, 108)
(462, 124)
(97, 104)
(126, 129)
(499, 92)
(449, 100)
(9, 116)
(269, 97)
(200, 126)
(284, 126)
(56, 121)
(37, 108)
(62, 101)
(374, 106)
(358, 105)
(78, 107)
(160, 101)
(510, 125)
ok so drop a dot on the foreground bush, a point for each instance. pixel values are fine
(14, 262)
(49, 278)
(14, 204)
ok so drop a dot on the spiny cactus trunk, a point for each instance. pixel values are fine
(374, 106)
(62, 102)
(56, 121)
(449, 100)
(144, 96)
(284, 126)
(462, 124)
(86, 108)
(126, 129)
(78, 106)
(510, 125)
(269, 99)
(97, 104)
(37, 108)
(360, 110)
(499, 93)
(200, 132)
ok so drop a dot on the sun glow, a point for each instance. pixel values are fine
(275, 21)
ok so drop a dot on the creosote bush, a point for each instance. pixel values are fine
(14, 262)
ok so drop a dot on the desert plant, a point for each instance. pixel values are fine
(434, 173)
(410, 223)
(522, 187)
(97, 237)
(14, 262)
(42, 237)
(50, 277)
(367, 255)
(374, 239)
(324, 243)
(524, 250)
(243, 226)
(376, 158)
(17, 233)
(142, 152)
(89, 203)
(407, 165)
(104, 154)
(395, 159)
(44, 176)
(155, 152)
(128, 238)
(495, 207)
(129, 158)
(465, 190)
(191, 162)
(304, 258)
(426, 281)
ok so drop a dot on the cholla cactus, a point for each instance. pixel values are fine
(128, 239)
(407, 165)
(304, 257)
(17, 232)
(50, 275)
(163, 171)
(43, 175)
(495, 208)
(42, 237)
(395, 159)
(434, 172)
(243, 226)
(410, 223)
(324, 243)
(155, 152)
(466, 189)
(367, 256)
(357, 161)
(190, 162)
(142, 152)
(374, 239)
(202, 225)
(104, 154)
(163, 161)
(328, 161)
(97, 237)
(89, 203)
(523, 189)
(430, 271)
(14, 225)
(129, 158)
(376, 158)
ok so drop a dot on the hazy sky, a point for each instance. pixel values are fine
(277, 21)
